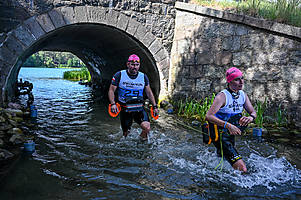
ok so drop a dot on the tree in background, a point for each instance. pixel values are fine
(53, 59)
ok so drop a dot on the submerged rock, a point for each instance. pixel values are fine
(5, 154)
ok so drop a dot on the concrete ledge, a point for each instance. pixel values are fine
(247, 20)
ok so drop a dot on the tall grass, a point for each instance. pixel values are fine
(193, 109)
(76, 75)
(281, 119)
(283, 11)
(260, 108)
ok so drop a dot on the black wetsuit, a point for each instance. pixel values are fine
(127, 117)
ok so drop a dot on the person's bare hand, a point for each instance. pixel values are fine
(114, 108)
(233, 130)
(156, 112)
(244, 121)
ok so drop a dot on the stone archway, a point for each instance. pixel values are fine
(101, 37)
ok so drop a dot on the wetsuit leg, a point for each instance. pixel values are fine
(229, 151)
(126, 120)
(141, 116)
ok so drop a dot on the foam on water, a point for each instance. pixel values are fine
(269, 172)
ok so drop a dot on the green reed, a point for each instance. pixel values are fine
(260, 109)
(82, 74)
(281, 119)
(194, 109)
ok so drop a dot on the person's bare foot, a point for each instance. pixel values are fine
(125, 134)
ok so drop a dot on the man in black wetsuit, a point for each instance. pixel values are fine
(130, 85)
(226, 113)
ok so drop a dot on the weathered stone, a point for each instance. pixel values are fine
(14, 112)
(45, 22)
(5, 127)
(13, 131)
(223, 58)
(160, 55)
(244, 58)
(141, 32)
(80, 14)
(132, 26)
(112, 17)
(2, 119)
(278, 57)
(17, 139)
(204, 58)
(97, 15)
(233, 17)
(34, 27)
(122, 22)
(13, 45)
(155, 47)
(202, 85)
(4, 154)
(13, 123)
(68, 14)
(56, 18)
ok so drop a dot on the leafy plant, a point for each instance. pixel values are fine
(260, 109)
(281, 119)
(83, 74)
(193, 109)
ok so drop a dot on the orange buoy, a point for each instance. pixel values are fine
(118, 110)
(153, 114)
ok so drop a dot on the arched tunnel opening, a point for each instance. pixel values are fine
(103, 49)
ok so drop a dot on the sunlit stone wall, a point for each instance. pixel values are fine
(207, 42)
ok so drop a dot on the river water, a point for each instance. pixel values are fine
(80, 154)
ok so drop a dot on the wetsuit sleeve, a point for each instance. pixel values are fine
(146, 80)
(116, 79)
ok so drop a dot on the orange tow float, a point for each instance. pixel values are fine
(118, 110)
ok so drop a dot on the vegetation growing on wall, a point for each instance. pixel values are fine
(52, 59)
(283, 11)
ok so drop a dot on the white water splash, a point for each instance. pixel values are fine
(269, 172)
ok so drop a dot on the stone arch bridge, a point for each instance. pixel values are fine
(185, 48)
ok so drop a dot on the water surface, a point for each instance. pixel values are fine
(80, 154)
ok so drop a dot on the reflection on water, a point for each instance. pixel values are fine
(81, 155)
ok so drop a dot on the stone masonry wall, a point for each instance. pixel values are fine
(157, 15)
(207, 42)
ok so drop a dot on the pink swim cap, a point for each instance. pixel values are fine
(232, 73)
(134, 58)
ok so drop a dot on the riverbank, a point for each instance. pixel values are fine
(14, 132)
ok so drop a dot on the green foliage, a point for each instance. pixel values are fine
(281, 119)
(77, 75)
(53, 60)
(283, 11)
(193, 109)
(260, 109)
